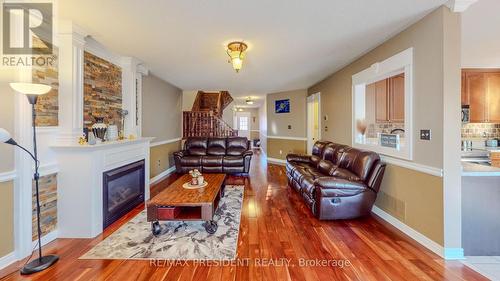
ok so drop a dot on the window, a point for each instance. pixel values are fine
(243, 123)
(382, 98)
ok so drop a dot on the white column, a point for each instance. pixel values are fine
(71, 45)
(129, 75)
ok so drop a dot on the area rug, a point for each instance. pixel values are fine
(178, 240)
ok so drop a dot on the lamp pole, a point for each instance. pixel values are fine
(32, 91)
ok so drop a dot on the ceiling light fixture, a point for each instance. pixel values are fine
(249, 100)
(236, 52)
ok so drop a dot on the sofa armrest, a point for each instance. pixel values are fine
(247, 153)
(375, 178)
(179, 154)
(298, 158)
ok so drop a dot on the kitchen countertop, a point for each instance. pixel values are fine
(478, 170)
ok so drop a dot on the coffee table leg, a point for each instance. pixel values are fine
(223, 190)
(155, 228)
(211, 226)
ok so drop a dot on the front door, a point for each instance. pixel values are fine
(243, 124)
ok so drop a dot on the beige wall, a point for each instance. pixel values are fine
(161, 109)
(161, 157)
(277, 124)
(263, 125)
(274, 146)
(414, 198)
(427, 37)
(6, 218)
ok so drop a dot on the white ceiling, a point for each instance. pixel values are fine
(481, 35)
(293, 43)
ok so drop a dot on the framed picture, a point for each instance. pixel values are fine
(282, 106)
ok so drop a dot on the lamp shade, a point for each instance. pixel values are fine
(30, 88)
(4, 135)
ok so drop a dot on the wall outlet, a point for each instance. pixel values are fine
(159, 163)
(425, 134)
(289, 127)
(281, 152)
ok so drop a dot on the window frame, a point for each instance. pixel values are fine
(399, 63)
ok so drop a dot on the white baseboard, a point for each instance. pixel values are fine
(276, 161)
(7, 260)
(46, 239)
(162, 175)
(446, 253)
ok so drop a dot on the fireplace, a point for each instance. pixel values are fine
(123, 190)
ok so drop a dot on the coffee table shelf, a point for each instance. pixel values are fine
(176, 203)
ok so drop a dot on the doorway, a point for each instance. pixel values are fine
(313, 120)
(243, 124)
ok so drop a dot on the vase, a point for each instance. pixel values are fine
(112, 133)
(99, 128)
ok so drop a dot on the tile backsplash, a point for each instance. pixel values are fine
(480, 130)
(384, 128)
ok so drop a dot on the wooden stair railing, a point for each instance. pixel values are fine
(205, 124)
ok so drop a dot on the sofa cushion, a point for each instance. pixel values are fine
(331, 187)
(318, 147)
(325, 167)
(307, 186)
(236, 146)
(211, 161)
(196, 146)
(190, 160)
(359, 162)
(315, 160)
(208, 169)
(233, 161)
(333, 152)
(216, 146)
(344, 174)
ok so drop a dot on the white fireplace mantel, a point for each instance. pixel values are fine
(80, 182)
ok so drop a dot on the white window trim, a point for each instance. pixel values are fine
(399, 63)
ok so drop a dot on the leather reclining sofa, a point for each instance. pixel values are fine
(336, 181)
(230, 155)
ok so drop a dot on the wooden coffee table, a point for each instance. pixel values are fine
(177, 203)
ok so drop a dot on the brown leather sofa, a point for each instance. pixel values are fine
(336, 181)
(230, 155)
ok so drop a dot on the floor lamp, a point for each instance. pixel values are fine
(32, 91)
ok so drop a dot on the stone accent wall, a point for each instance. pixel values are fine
(47, 107)
(480, 130)
(48, 205)
(102, 91)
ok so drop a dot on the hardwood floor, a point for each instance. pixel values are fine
(276, 227)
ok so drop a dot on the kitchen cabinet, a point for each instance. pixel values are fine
(381, 109)
(397, 98)
(493, 98)
(389, 101)
(481, 91)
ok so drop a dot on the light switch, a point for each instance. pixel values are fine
(425, 134)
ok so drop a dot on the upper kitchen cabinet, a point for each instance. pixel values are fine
(481, 91)
(381, 101)
(397, 98)
(390, 99)
(493, 97)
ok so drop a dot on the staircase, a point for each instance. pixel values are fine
(205, 117)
